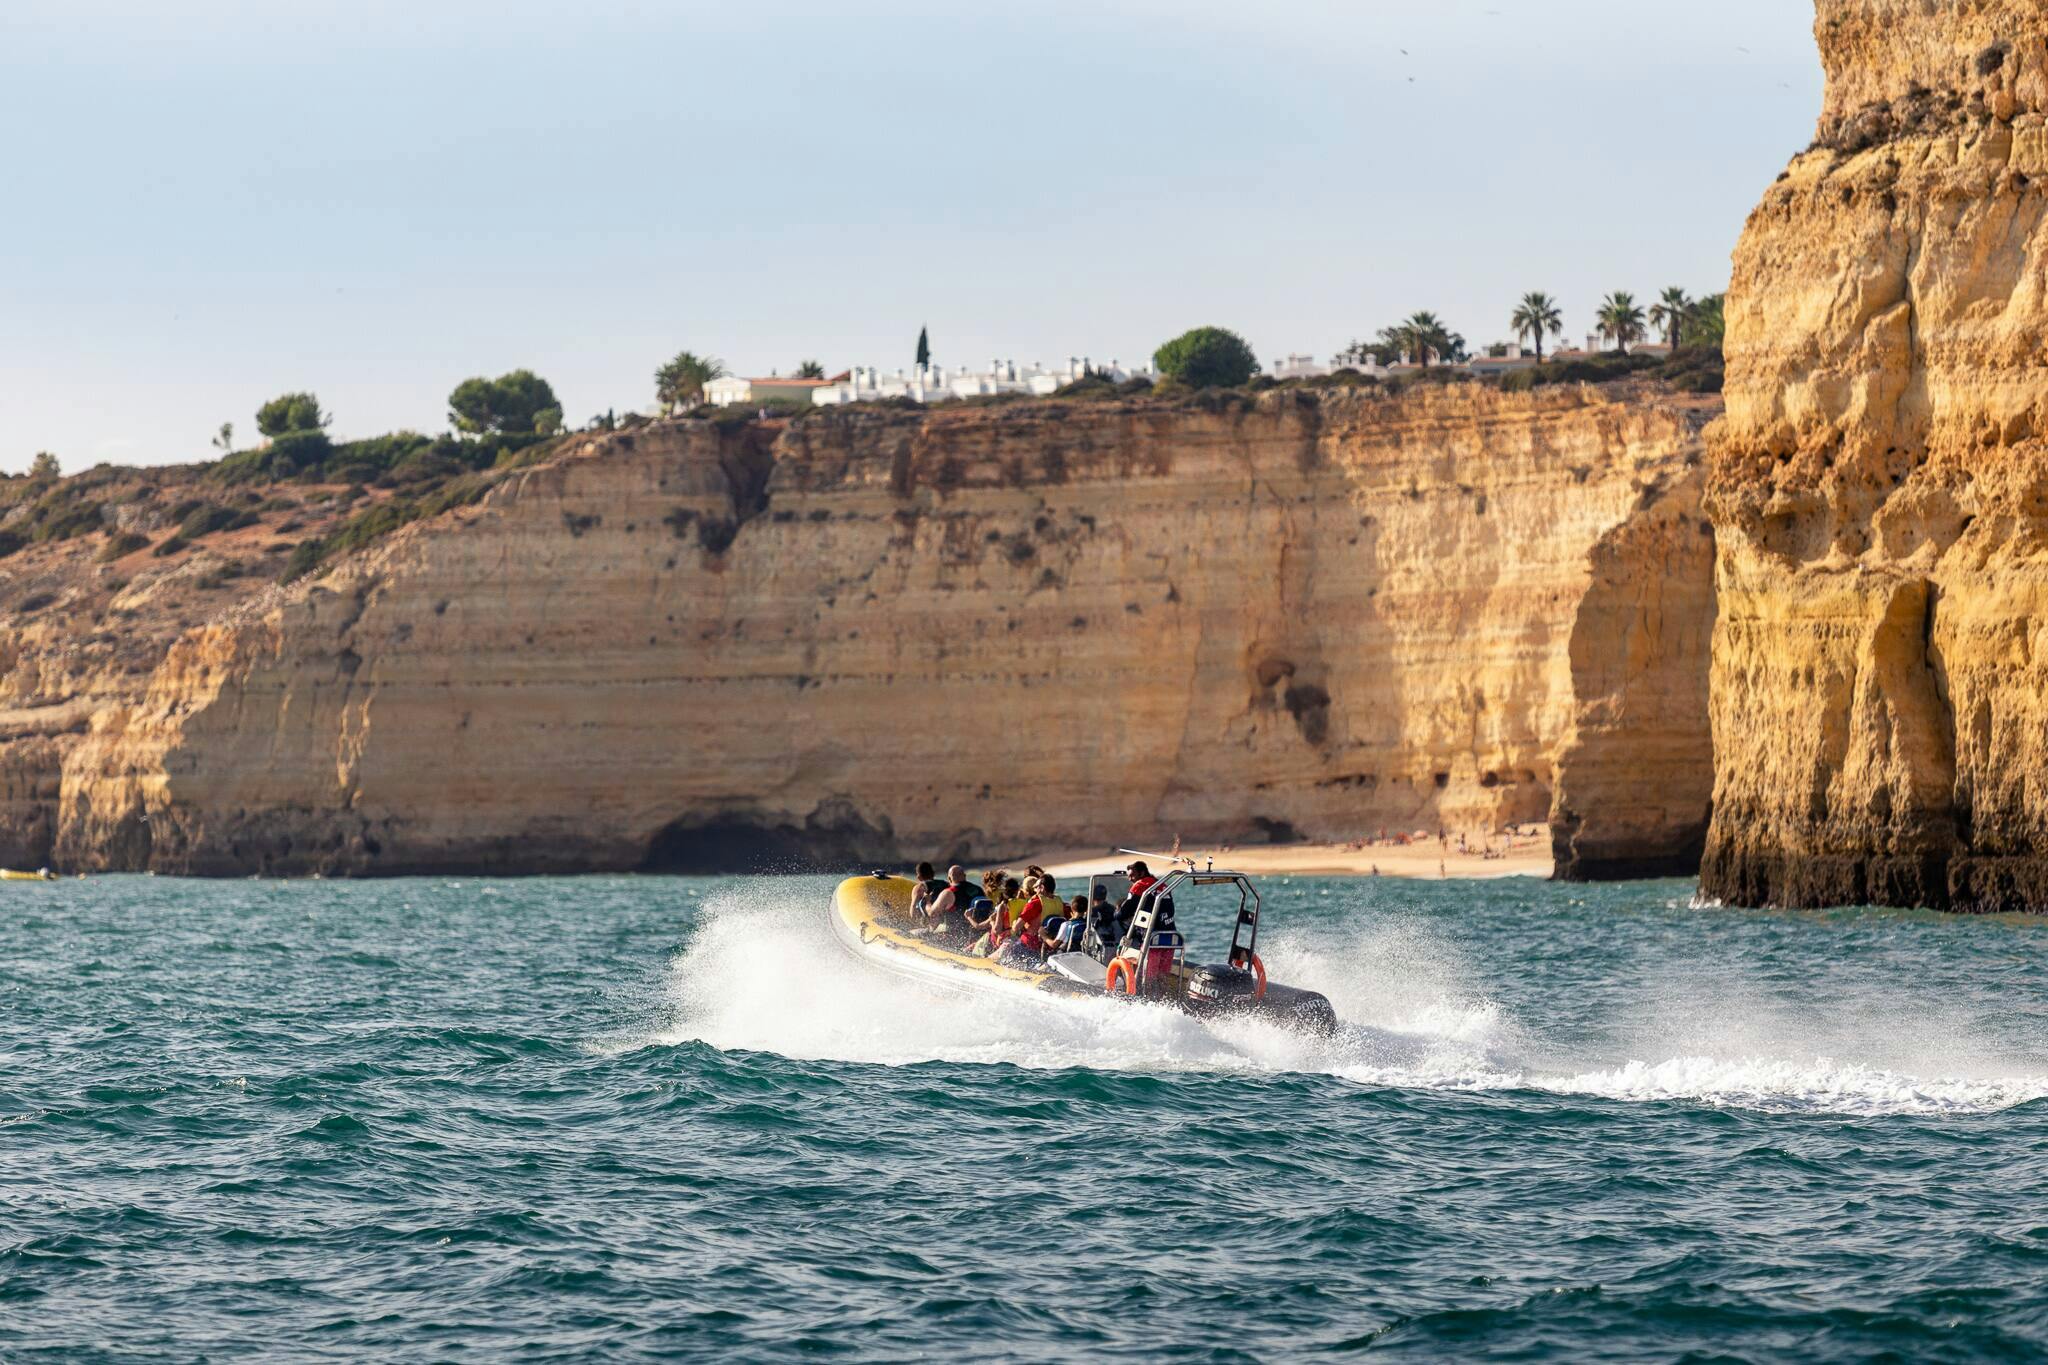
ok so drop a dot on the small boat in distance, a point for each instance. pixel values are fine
(8, 874)
(1148, 961)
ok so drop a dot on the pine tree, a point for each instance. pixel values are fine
(924, 348)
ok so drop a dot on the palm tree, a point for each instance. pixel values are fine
(1672, 311)
(1705, 324)
(1420, 335)
(810, 369)
(1536, 315)
(682, 380)
(1621, 319)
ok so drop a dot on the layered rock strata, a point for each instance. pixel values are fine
(973, 630)
(1879, 485)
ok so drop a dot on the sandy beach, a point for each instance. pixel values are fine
(1526, 855)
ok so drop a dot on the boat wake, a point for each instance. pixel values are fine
(763, 973)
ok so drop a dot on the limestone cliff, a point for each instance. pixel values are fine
(1879, 485)
(877, 633)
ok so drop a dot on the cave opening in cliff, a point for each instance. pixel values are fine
(727, 846)
(739, 845)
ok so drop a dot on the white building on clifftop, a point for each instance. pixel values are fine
(937, 384)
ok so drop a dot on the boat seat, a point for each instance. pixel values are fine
(1077, 967)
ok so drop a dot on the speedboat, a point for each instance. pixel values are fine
(1149, 961)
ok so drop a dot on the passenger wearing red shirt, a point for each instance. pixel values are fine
(1141, 877)
(1142, 881)
(1044, 901)
(1024, 947)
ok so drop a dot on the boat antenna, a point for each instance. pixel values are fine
(1170, 859)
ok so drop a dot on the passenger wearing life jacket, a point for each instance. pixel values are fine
(1022, 948)
(1067, 937)
(1044, 900)
(947, 911)
(1142, 881)
(923, 890)
(1009, 909)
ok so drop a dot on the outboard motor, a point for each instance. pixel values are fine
(1220, 987)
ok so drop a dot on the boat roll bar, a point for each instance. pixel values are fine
(1244, 934)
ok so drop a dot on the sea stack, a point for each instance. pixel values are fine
(1879, 484)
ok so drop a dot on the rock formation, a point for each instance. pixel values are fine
(1879, 486)
(973, 629)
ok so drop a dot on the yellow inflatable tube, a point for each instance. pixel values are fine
(872, 917)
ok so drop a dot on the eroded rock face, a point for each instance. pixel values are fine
(878, 634)
(1879, 483)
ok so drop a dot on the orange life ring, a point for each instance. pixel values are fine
(1121, 968)
(1259, 971)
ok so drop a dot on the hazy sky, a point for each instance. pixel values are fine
(206, 202)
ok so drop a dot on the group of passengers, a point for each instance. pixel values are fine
(1021, 920)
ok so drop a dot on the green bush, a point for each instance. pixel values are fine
(381, 452)
(171, 545)
(290, 412)
(380, 520)
(1602, 369)
(517, 403)
(289, 455)
(11, 542)
(426, 466)
(1207, 358)
(205, 519)
(244, 466)
(126, 543)
(1694, 369)
(1436, 376)
(306, 557)
(1088, 386)
(72, 523)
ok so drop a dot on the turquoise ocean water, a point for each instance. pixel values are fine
(669, 1118)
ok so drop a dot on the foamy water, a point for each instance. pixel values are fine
(763, 972)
